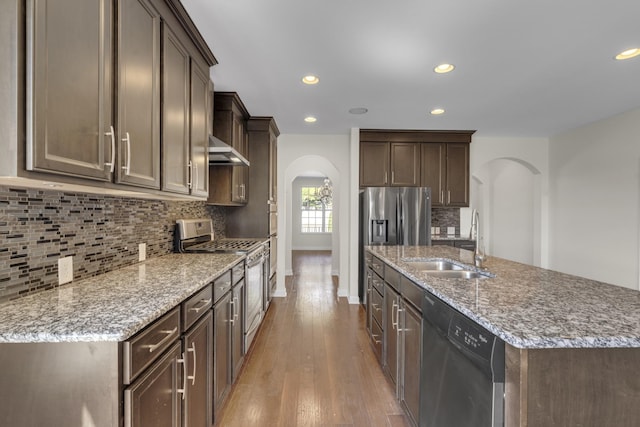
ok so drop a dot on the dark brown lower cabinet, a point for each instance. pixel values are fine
(221, 343)
(237, 329)
(392, 304)
(154, 400)
(197, 353)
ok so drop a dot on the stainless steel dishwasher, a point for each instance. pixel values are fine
(462, 374)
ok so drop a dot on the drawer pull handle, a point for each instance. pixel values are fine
(375, 307)
(192, 349)
(204, 303)
(153, 347)
(375, 340)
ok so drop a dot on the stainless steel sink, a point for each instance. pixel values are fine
(446, 269)
(458, 274)
(437, 265)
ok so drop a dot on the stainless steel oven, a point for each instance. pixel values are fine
(254, 288)
(196, 236)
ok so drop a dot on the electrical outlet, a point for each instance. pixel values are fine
(437, 230)
(65, 270)
(142, 251)
(451, 230)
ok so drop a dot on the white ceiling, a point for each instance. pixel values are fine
(523, 68)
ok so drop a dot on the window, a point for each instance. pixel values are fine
(316, 213)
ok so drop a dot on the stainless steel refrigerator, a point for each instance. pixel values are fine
(393, 216)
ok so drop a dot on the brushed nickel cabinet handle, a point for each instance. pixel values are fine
(183, 390)
(153, 347)
(190, 179)
(127, 166)
(112, 134)
(204, 303)
(192, 349)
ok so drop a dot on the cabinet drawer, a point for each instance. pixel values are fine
(392, 277)
(196, 306)
(141, 350)
(368, 257)
(376, 339)
(377, 302)
(378, 266)
(221, 285)
(237, 272)
(378, 283)
(412, 293)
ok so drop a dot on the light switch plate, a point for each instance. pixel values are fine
(65, 270)
(142, 251)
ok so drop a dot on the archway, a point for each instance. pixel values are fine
(318, 165)
(507, 193)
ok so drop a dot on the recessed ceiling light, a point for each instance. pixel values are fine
(310, 79)
(444, 68)
(629, 53)
(310, 119)
(358, 110)
(437, 111)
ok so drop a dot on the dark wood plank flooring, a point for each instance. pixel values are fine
(311, 363)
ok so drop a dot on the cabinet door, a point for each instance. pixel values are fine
(432, 170)
(411, 356)
(237, 331)
(175, 112)
(139, 93)
(199, 131)
(457, 175)
(198, 356)
(153, 399)
(405, 164)
(391, 313)
(374, 164)
(221, 343)
(69, 88)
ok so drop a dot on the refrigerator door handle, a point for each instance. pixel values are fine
(399, 220)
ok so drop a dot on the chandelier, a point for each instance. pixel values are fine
(325, 193)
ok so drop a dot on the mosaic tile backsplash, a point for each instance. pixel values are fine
(445, 217)
(102, 233)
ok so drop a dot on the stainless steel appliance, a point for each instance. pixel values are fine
(393, 216)
(462, 373)
(196, 236)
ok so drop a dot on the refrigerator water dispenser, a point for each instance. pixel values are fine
(379, 230)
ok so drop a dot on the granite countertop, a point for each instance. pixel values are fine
(112, 306)
(526, 306)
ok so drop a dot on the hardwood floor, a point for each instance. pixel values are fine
(311, 363)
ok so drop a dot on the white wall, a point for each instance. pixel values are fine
(595, 201)
(299, 240)
(509, 187)
(328, 155)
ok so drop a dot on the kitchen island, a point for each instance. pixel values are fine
(572, 353)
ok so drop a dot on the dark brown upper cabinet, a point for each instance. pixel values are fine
(436, 159)
(229, 185)
(91, 90)
(445, 168)
(395, 164)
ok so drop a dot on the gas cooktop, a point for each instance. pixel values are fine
(196, 235)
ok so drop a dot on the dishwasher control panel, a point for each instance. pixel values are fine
(471, 336)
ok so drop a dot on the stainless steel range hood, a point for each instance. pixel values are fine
(221, 153)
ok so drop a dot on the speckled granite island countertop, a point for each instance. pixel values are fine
(112, 306)
(526, 306)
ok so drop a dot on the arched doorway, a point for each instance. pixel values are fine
(315, 166)
(507, 193)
